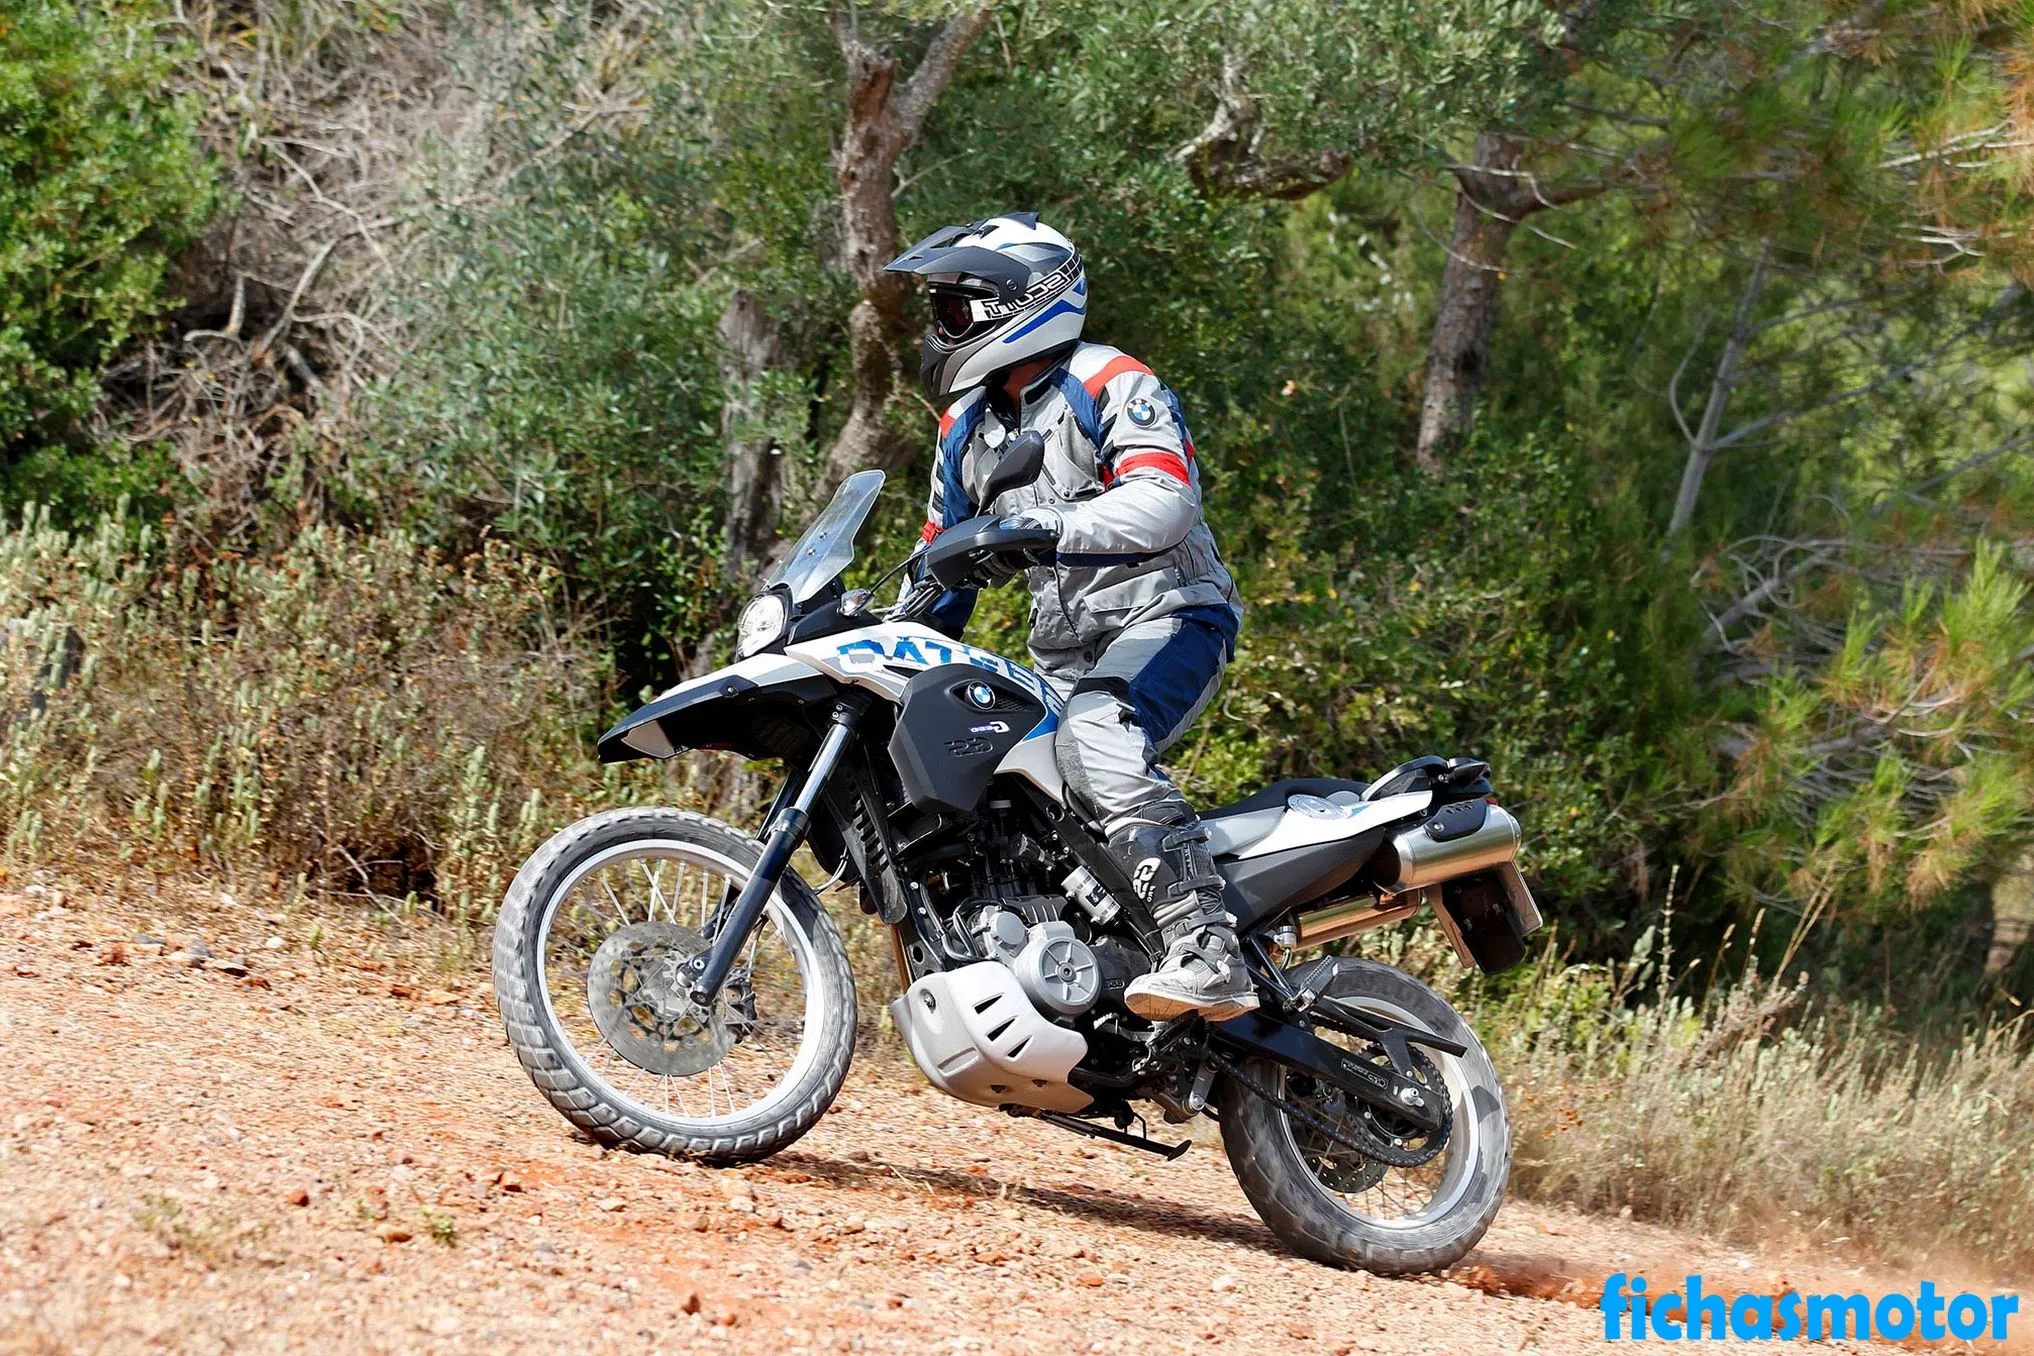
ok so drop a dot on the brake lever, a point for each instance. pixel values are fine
(912, 605)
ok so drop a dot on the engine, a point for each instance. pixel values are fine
(1009, 1028)
(1054, 967)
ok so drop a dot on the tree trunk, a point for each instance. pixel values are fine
(748, 349)
(1702, 444)
(1487, 211)
(884, 423)
(1493, 194)
(2012, 913)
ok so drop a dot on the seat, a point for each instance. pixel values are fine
(1278, 793)
(1232, 828)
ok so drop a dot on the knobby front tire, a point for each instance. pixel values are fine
(545, 1009)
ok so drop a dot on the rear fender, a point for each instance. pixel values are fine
(719, 711)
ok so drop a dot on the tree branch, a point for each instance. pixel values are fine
(1719, 625)
(935, 70)
(1879, 383)
(1703, 445)
(1226, 157)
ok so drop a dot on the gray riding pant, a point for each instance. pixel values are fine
(1142, 692)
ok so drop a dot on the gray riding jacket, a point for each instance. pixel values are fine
(1122, 486)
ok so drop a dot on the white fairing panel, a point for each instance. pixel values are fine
(884, 658)
(647, 737)
(1307, 821)
(760, 669)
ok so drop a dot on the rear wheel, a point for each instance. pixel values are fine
(1415, 1203)
(588, 957)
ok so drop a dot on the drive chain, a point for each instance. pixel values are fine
(1291, 1108)
(1369, 1146)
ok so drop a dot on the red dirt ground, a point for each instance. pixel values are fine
(317, 1139)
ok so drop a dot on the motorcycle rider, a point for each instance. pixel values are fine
(1133, 615)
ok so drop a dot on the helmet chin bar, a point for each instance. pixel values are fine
(930, 370)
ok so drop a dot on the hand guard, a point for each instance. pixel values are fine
(986, 549)
(1024, 542)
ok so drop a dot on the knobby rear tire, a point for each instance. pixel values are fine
(547, 1056)
(1313, 1221)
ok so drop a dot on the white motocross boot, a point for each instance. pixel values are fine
(1172, 871)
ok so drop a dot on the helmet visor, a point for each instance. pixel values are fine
(953, 313)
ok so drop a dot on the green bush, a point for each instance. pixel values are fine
(561, 389)
(102, 182)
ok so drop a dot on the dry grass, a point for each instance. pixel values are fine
(355, 715)
(1751, 1114)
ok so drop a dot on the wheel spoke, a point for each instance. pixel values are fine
(654, 878)
(620, 910)
(1369, 1187)
(619, 925)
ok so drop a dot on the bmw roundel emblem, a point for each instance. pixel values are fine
(981, 695)
(1142, 412)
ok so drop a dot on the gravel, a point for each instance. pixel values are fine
(198, 1163)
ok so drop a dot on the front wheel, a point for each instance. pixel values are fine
(1420, 1201)
(589, 953)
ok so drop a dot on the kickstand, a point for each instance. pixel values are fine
(1168, 1152)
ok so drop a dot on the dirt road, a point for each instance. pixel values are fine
(312, 1137)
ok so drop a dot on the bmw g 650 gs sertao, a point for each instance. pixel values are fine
(671, 985)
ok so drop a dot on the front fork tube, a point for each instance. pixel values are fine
(710, 968)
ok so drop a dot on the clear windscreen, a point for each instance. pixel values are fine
(828, 546)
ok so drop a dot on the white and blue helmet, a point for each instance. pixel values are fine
(1004, 290)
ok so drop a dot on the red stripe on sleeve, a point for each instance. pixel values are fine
(1169, 462)
(945, 423)
(1111, 370)
(929, 531)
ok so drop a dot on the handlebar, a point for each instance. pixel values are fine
(960, 557)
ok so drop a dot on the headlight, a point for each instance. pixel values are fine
(761, 625)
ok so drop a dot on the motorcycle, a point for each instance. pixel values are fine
(671, 985)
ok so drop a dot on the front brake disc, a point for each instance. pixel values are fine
(636, 990)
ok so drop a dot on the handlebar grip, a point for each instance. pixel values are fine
(1017, 537)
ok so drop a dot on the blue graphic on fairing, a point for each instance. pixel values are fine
(928, 652)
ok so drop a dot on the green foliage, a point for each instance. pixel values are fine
(1882, 778)
(101, 184)
(549, 375)
(1484, 633)
(563, 392)
(1395, 81)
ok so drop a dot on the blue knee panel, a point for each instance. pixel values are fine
(1165, 690)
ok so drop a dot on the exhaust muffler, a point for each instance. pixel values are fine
(1352, 917)
(1464, 839)
(1458, 841)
